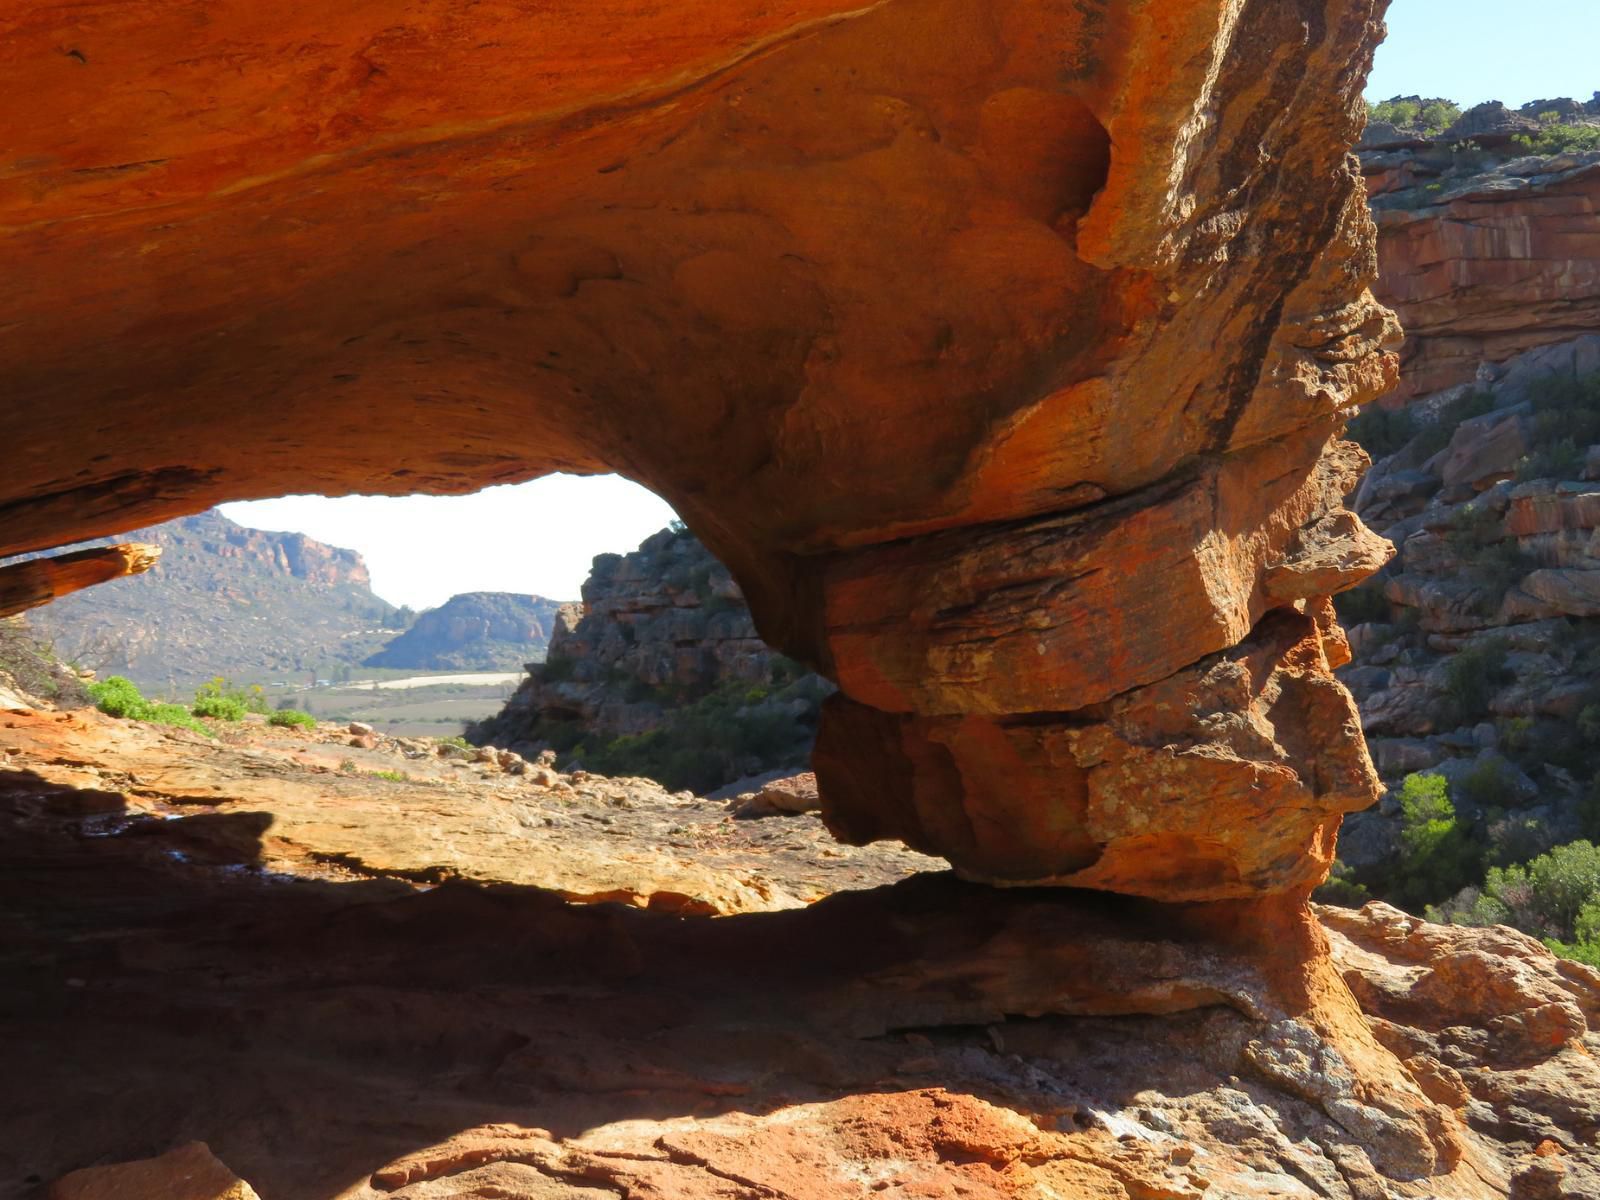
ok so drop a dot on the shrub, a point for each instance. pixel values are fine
(175, 715)
(1437, 856)
(456, 740)
(1382, 431)
(227, 701)
(1363, 603)
(1471, 678)
(1560, 139)
(392, 776)
(292, 717)
(1488, 785)
(117, 696)
(218, 708)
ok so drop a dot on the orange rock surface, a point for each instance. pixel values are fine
(1000, 347)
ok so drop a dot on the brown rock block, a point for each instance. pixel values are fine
(1224, 781)
(190, 1172)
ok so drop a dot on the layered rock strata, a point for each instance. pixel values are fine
(1484, 252)
(997, 346)
(665, 624)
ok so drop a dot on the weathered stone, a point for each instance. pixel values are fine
(190, 1172)
(1197, 787)
(1576, 593)
(1484, 450)
(999, 347)
(1493, 266)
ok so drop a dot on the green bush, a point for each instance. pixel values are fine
(218, 708)
(1472, 676)
(1560, 139)
(1437, 857)
(1363, 603)
(292, 717)
(1488, 785)
(118, 697)
(175, 715)
(224, 700)
(1382, 431)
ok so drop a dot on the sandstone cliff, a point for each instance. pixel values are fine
(474, 631)
(999, 347)
(660, 672)
(1488, 243)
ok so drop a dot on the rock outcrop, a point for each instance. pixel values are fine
(662, 645)
(474, 631)
(1487, 246)
(1000, 348)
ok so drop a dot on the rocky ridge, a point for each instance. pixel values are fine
(224, 599)
(1475, 649)
(660, 669)
(473, 631)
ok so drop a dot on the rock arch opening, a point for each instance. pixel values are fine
(998, 349)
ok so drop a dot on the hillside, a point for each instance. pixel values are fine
(660, 672)
(224, 599)
(475, 631)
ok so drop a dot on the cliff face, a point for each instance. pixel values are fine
(224, 599)
(663, 645)
(474, 631)
(1487, 246)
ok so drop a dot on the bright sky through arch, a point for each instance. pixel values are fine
(536, 537)
(1470, 51)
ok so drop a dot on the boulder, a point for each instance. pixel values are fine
(190, 1172)
(795, 794)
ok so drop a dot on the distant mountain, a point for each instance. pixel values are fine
(225, 600)
(475, 631)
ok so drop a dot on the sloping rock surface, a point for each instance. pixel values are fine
(329, 1032)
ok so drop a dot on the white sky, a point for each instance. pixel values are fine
(540, 537)
(534, 537)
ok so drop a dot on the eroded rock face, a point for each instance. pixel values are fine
(997, 346)
(1485, 262)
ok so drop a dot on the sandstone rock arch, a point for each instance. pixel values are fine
(999, 346)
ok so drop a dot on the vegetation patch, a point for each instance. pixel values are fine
(118, 697)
